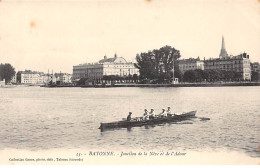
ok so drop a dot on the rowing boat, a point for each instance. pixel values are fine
(157, 120)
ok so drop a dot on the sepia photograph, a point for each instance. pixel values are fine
(120, 82)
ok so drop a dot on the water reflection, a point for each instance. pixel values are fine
(129, 129)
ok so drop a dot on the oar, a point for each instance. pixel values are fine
(203, 118)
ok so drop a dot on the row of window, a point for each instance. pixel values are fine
(191, 67)
(26, 77)
(233, 62)
(120, 66)
(106, 73)
(238, 70)
(191, 64)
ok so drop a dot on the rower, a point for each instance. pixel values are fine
(151, 116)
(169, 111)
(129, 116)
(163, 113)
(145, 115)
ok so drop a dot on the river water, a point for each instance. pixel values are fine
(35, 118)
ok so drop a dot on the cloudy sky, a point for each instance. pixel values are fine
(41, 35)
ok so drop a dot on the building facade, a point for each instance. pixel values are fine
(62, 78)
(190, 64)
(27, 77)
(116, 66)
(239, 63)
(31, 77)
(14, 78)
(255, 67)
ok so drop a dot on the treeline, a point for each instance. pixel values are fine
(255, 76)
(199, 75)
(156, 65)
(6, 72)
(120, 78)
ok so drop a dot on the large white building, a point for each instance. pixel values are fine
(31, 77)
(27, 77)
(116, 66)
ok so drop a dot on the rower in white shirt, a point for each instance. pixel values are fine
(145, 115)
(163, 113)
(151, 115)
(169, 111)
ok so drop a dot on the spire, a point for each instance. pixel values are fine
(223, 44)
(223, 52)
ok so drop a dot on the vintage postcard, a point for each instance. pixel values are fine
(147, 82)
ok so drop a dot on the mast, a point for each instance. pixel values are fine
(48, 76)
(172, 68)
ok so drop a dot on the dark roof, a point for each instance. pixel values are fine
(107, 60)
(189, 60)
(114, 59)
(28, 72)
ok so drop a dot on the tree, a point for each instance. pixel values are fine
(199, 75)
(255, 76)
(157, 65)
(6, 72)
(146, 65)
(238, 76)
(135, 78)
(82, 81)
(189, 76)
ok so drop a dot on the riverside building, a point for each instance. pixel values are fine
(116, 66)
(255, 67)
(28, 77)
(13, 80)
(239, 63)
(31, 77)
(190, 64)
(62, 78)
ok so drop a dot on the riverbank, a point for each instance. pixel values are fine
(189, 85)
(168, 85)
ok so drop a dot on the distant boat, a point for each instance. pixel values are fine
(157, 120)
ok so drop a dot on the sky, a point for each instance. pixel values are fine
(55, 35)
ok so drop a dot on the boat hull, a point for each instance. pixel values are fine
(157, 120)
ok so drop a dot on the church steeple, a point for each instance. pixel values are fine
(223, 52)
(223, 43)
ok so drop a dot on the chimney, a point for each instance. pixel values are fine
(105, 57)
(115, 55)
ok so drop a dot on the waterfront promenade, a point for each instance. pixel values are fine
(191, 84)
(216, 84)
